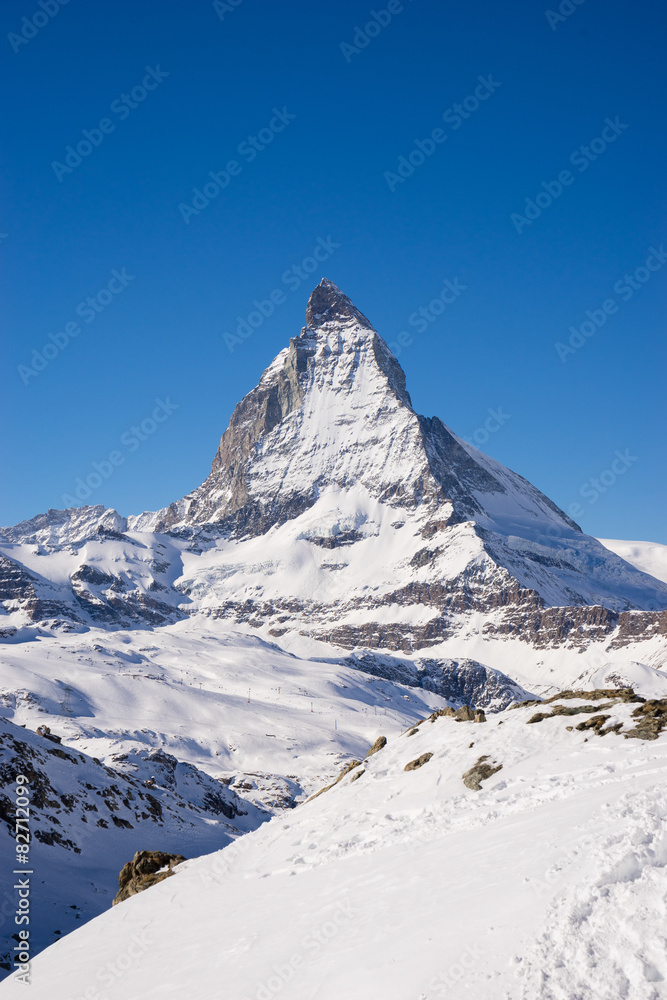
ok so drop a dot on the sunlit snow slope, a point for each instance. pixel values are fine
(547, 883)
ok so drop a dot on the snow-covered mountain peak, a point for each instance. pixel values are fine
(327, 457)
(328, 305)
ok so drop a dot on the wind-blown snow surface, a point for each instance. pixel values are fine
(649, 557)
(547, 884)
(256, 721)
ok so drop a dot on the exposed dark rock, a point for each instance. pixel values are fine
(335, 541)
(440, 713)
(346, 770)
(327, 304)
(462, 714)
(596, 722)
(637, 625)
(89, 574)
(618, 694)
(379, 744)
(568, 710)
(652, 717)
(434, 527)
(147, 868)
(45, 731)
(423, 557)
(478, 773)
(547, 627)
(413, 765)
(460, 681)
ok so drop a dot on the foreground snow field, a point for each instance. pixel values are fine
(267, 724)
(546, 883)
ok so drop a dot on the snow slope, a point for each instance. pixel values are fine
(86, 818)
(649, 557)
(546, 884)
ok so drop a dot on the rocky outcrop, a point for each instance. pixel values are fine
(544, 628)
(346, 770)
(72, 792)
(45, 731)
(639, 625)
(418, 762)
(38, 598)
(479, 772)
(652, 719)
(379, 744)
(461, 682)
(651, 714)
(146, 869)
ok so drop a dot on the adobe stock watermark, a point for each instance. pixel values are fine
(248, 149)
(591, 839)
(565, 9)
(580, 158)
(490, 425)
(130, 441)
(311, 945)
(115, 970)
(223, 861)
(379, 19)
(597, 486)
(30, 26)
(88, 310)
(625, 288)
(454, 117)
(421, 319)
(222, 7)
(94, 137)
(447, 980)
(292, 279)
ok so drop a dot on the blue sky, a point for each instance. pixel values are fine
(306, 120)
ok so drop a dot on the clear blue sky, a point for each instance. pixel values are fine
(216, 78)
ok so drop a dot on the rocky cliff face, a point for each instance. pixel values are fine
(86, 818)
(333, 410)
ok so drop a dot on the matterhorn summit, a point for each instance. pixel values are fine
(331, 502)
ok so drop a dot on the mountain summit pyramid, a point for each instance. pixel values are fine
(332, 410)
(332, 506)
